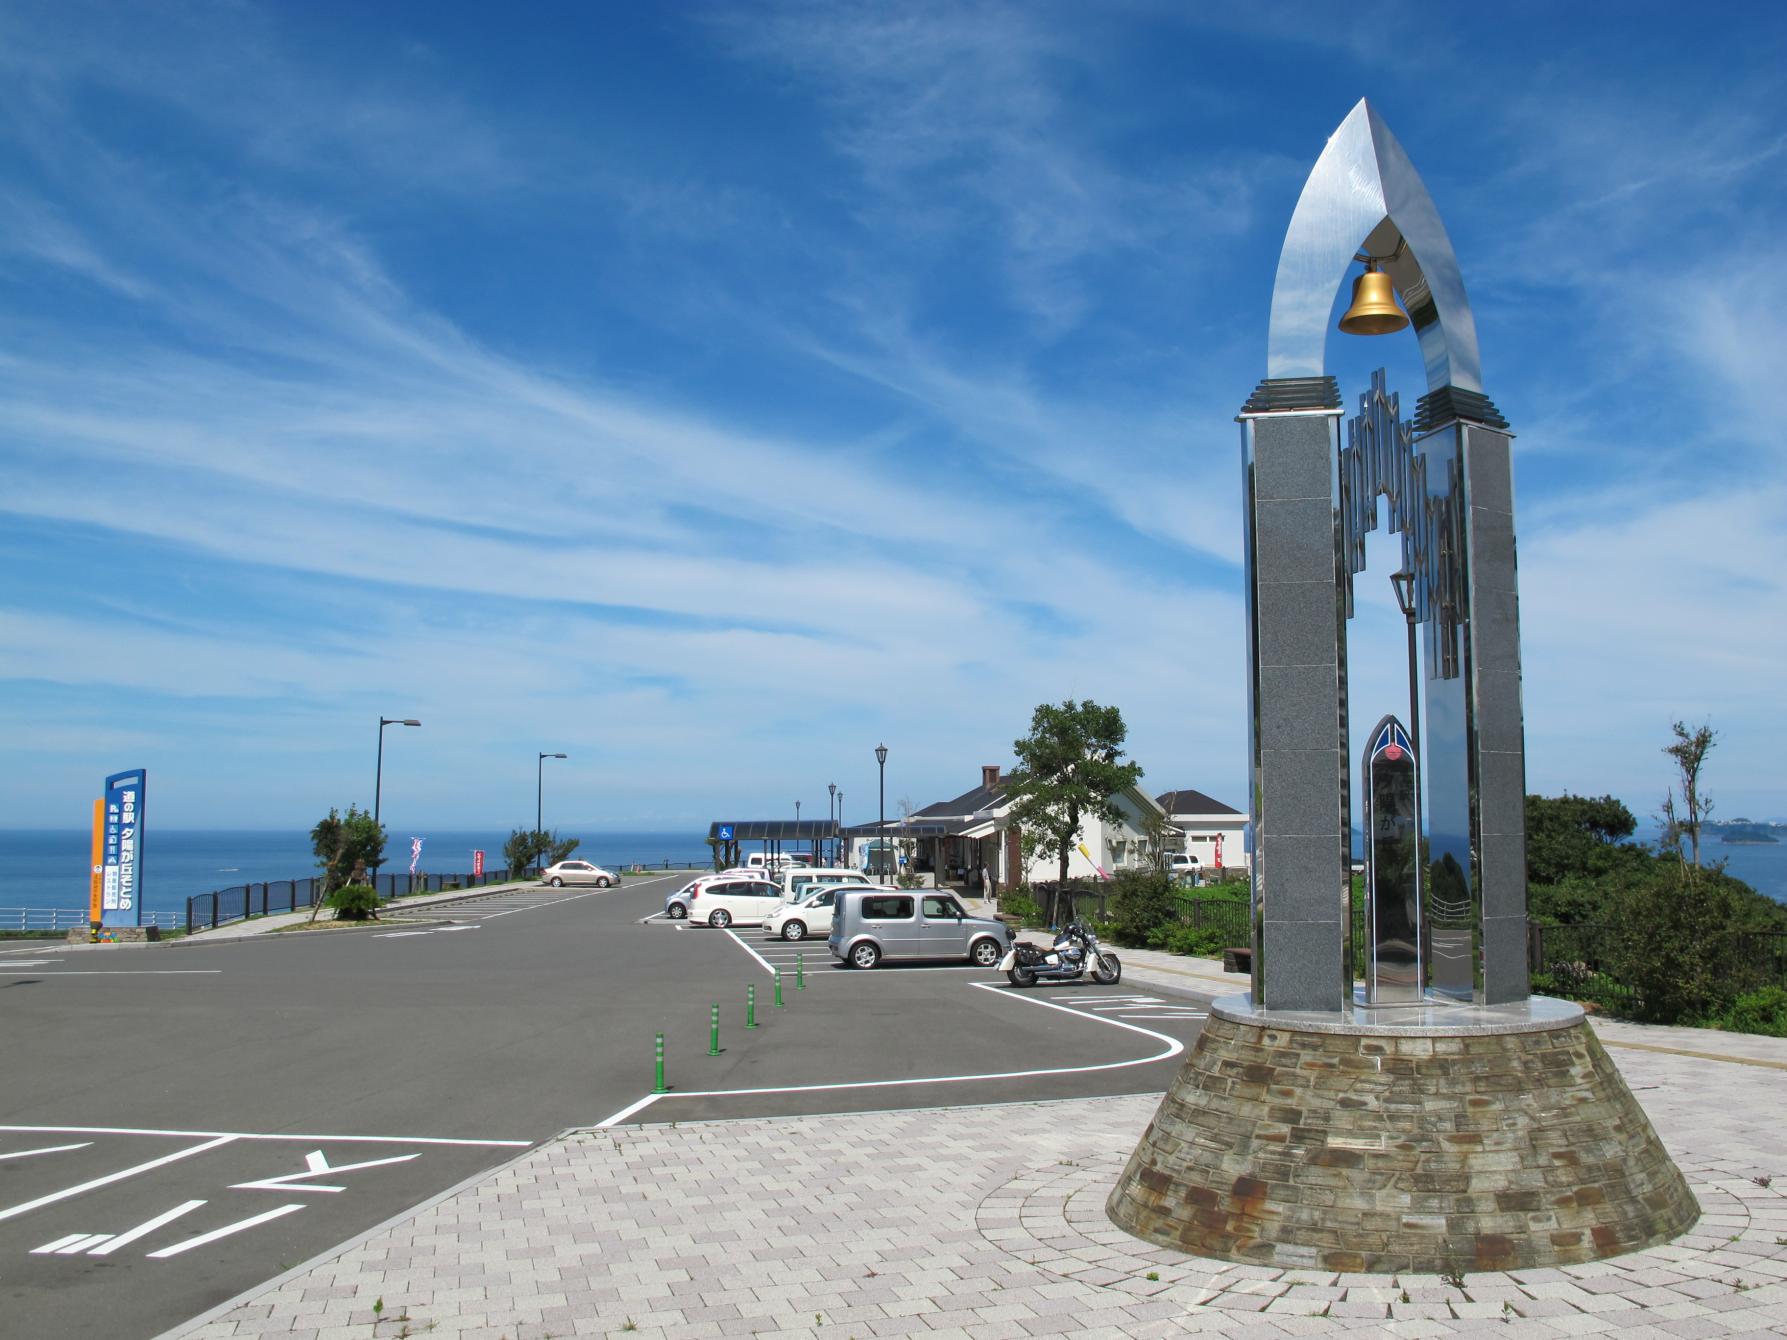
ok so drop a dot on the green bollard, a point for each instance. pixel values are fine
(751, 1006)
(659, 1086)
(800, 972)
(778, 988)
(713, 1041)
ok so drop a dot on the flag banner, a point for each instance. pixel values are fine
(415, 853)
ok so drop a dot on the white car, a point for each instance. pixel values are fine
(676, 906)
(796, 882)
(810, 914)
(721, 900)
(577, 872)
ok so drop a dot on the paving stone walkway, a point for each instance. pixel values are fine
(989, 1222)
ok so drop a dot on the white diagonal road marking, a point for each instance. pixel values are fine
(315, 1166)
(47, 1149)
(239, 1226)
(145, 1228)
(27, 1206)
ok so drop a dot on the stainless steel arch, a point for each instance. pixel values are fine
(1364, 193)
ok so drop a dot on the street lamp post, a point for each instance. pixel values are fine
(539, 805)
(797, 820)
(831, 812)
(881, 825)
(378, 776)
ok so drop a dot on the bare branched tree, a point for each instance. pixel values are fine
(1682, 821)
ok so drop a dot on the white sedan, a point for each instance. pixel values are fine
(809, 913)
(577, 872)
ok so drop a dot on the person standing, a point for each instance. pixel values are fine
(987, 891)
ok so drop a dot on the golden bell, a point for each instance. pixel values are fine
(1374, 310)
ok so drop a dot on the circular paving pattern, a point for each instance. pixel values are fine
(1053, 1219)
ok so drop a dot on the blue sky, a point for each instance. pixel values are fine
(713, 392)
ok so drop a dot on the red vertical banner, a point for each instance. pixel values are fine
(96, 867)
(478, 863)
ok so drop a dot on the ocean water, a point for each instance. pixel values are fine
(47, 868)
(44, 868)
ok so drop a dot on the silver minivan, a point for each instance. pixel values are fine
(869, 925)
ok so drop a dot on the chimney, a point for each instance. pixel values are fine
(989, 774)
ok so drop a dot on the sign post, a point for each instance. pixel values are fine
(96, 871)
(121, 887)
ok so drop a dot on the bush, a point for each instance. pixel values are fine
(1674, 943)
(1763, 1011)
(1017, 905)
(1143, 901)
(1204, 942)
(353, 902)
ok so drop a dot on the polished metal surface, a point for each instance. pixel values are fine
(1530, 1014)
(1393, 968)
(1364, 194)
(1380, 459)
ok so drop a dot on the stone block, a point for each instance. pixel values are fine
(1294, 457)
(1294, 541)
(1298, 624)
(1389, 1186)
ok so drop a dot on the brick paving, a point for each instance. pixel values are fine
(989, 1222)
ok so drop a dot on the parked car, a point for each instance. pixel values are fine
(797, 880)
(868, 925)
(777, 861)
(809, 913)
(577, 872)
(1183, 865)
(676, 905)
(720, 900)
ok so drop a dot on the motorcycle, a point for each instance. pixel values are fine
(1076, 954)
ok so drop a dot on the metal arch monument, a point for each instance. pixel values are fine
(1441, 1118)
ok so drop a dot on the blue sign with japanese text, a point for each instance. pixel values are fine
(121, 887)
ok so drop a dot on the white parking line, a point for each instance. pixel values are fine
(550, 902)
(145, 1228)
(109, 1178)
(223, 1232)
(220, 1137)
(1173, 1047)
(768, 967)
(119, 972)
(47, 1149)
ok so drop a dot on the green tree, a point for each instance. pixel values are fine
(528, 846)
(1573, 836)
(346, 847)
(1683, 823)
(1070, 769)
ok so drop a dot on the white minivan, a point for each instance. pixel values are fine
(795, 879)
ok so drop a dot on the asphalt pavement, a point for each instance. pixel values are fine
(184, 1120)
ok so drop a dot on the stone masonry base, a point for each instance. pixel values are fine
(1358, 1149)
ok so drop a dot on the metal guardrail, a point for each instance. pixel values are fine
(69, 919)
(239, 902)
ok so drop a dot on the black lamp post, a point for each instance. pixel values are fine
(539, 805)
(378, 776)
(831, 812)
(881, 826)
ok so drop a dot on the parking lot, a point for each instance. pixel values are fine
(185, 1120)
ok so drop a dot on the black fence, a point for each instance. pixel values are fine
(1581, 962)
(242, 901)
